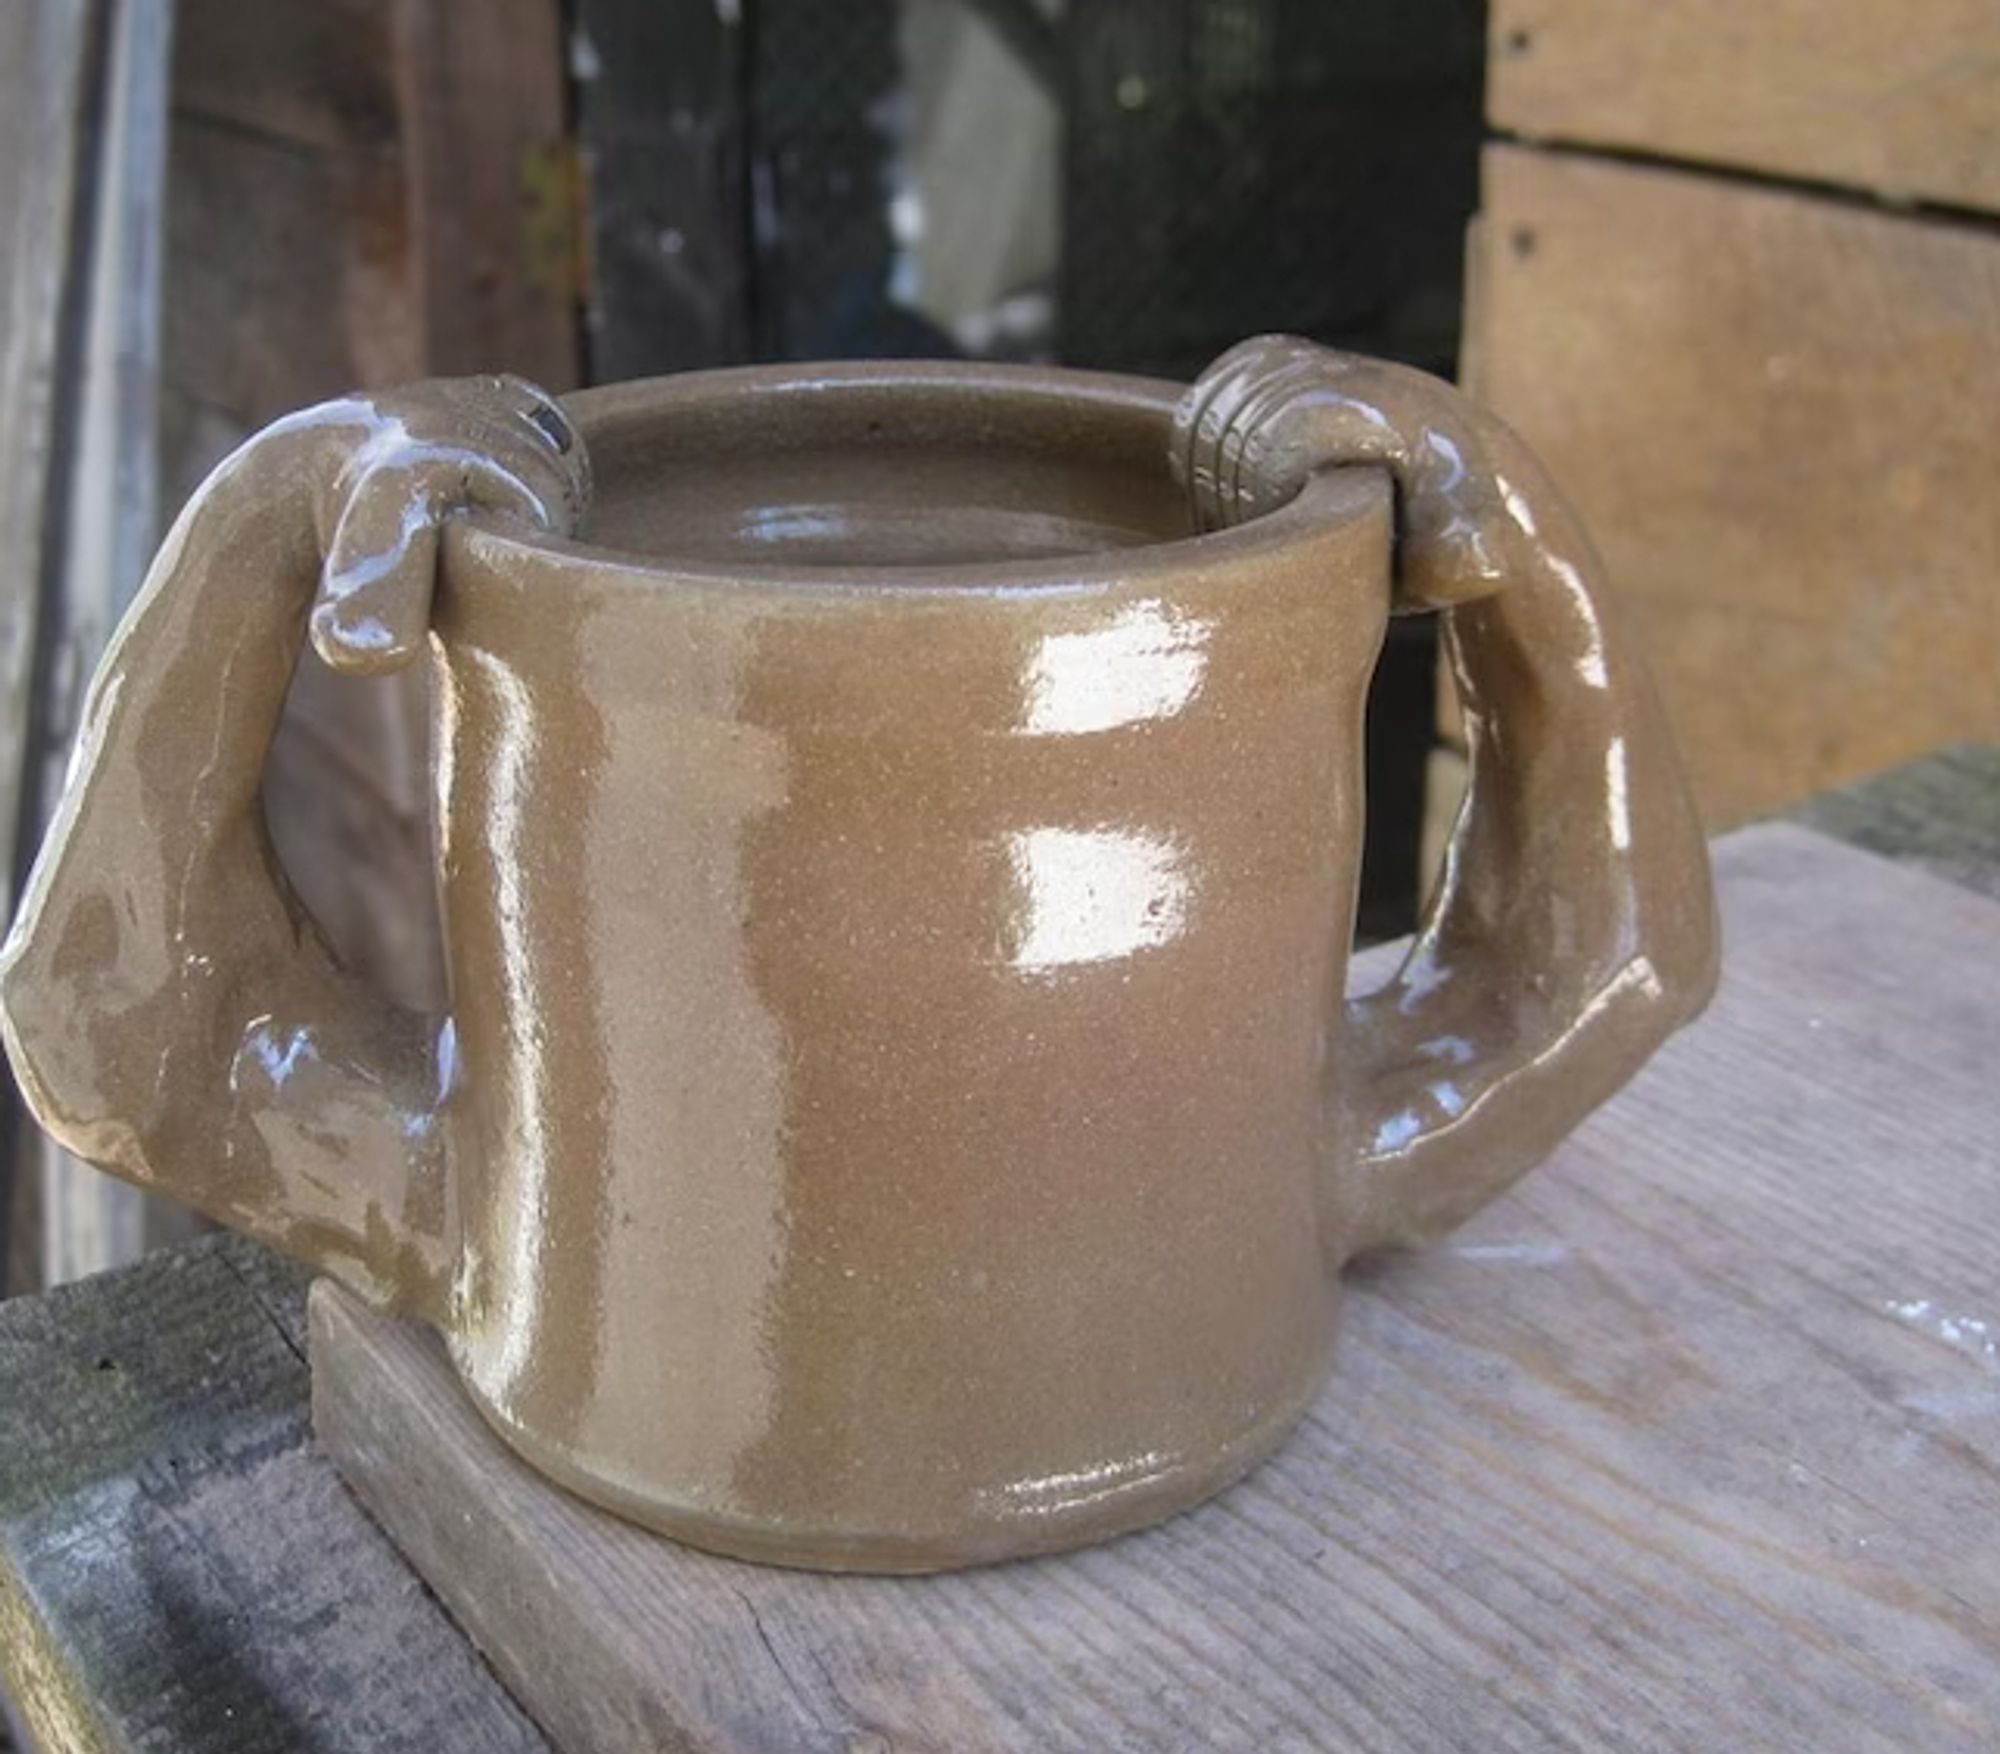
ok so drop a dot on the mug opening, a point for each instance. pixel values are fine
(887, 466)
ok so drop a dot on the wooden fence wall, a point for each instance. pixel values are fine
(1737, 278)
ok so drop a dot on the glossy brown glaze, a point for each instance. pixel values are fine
(898, 848)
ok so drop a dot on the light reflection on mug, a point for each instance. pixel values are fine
(1093, 895)
(1146, 663)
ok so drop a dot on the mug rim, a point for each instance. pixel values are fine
(1005, 393)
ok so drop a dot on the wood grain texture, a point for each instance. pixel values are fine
(1903, 100)
(45, 63)
(1691, 1442)
(85, 134)
(42, 91)
(179, 1568)
(495, 192)
(1778, 416)
(90, 1221)
(295, 272)
(436, 131)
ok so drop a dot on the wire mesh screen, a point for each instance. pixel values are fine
(1242, 165)
(825, 90)
(1224, 167)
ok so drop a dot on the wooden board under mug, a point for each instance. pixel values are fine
(1690, 1442)
(1902, 100)
(1780, 418)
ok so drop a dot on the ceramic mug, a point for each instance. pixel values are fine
(897, 837)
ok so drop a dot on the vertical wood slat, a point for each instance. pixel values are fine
(91, 414)
(492, 190)
(44, 62)
(90, 1221)
(293, 212)
(43, 110)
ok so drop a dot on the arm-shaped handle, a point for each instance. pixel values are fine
(172, 1014)
(1574, 925)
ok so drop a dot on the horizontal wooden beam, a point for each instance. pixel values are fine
(1902, 100)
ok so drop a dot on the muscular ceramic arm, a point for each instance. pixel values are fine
(171, 1013)
(1574, 926)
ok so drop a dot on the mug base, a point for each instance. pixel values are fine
(982, 1539)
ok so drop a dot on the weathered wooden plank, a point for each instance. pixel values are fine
(434, 131)
(1778, 416)
(1903, 100)
(304, 75)
(179, 1568)
(293, 268)
(85, 135)
(495, 188)
(1690, 1443)
(281, 235)
(45, 76)
(43, 85)
(109, 526)
(113, 518)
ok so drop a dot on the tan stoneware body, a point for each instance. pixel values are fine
(898, 833)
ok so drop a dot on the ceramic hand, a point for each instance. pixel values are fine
(1271, 411)
(399, 466)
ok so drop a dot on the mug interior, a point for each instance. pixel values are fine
(881, 466)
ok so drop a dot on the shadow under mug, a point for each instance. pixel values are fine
(898, 833)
